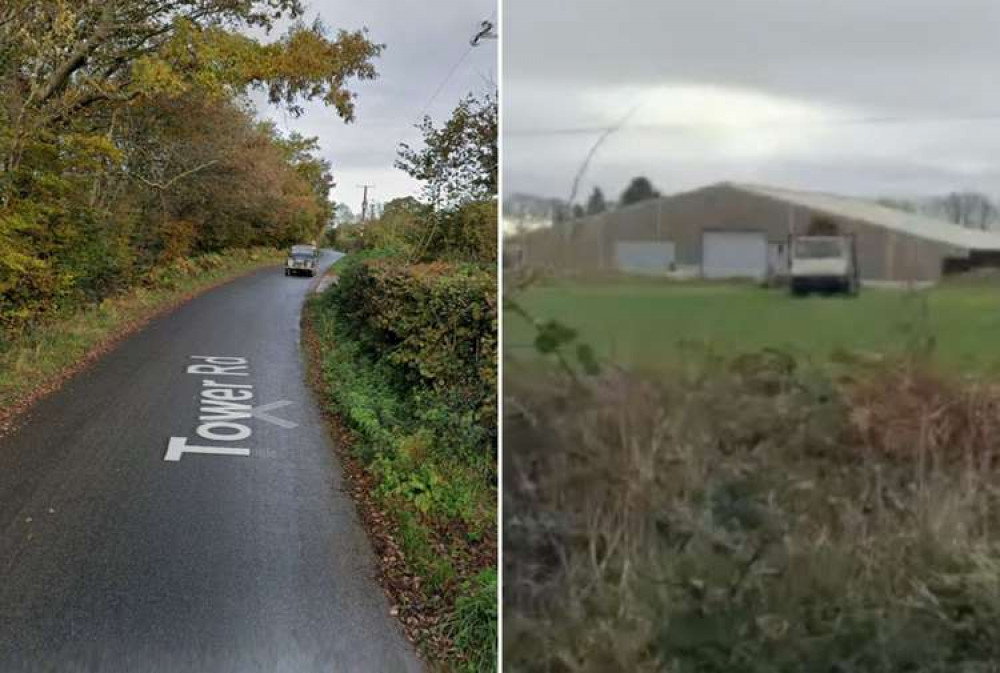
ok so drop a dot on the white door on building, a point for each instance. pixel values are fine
(734, 254)
(777, 259)
(644, 257)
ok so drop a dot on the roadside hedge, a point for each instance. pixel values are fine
(466, 233)
(408, 357)
(436, 323)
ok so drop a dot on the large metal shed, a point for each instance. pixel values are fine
(734, 230)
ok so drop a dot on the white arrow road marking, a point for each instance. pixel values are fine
(261, 413)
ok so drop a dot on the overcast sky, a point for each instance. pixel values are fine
(769, 91)
(424, 41)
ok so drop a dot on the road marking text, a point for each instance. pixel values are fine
(224, 408)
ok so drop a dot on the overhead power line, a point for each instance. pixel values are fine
(777, 123)
(444, 82)
(485, 32)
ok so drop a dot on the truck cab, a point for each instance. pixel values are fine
(826, 264)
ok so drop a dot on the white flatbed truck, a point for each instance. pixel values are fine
(823, 264)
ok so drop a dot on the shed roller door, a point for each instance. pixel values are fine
(734, 254)
(645, 257)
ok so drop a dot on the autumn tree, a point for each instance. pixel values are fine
(63, 58)
(209, 177)
(458, 162)
(126, 138)
(458, 167)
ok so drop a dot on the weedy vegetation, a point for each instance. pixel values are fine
(752, 511)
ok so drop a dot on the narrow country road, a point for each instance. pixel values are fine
(244, 555)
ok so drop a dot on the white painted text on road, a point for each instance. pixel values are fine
(224, 408)
(219, 366)
(178, 446)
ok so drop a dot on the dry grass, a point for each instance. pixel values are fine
(926, 418)
(750, 515)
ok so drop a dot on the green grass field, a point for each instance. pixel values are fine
(645, 324)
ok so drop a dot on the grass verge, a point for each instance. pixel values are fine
(432, 521)
(37, 362)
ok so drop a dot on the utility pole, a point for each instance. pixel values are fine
(364, 201)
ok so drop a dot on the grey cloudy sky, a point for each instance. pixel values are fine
(424, 40)
(770, 91)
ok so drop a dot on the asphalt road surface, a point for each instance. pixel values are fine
(117, 554)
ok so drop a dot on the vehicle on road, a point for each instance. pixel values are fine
(302, 259)
(826, 264)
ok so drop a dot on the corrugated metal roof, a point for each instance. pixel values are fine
(912, 224)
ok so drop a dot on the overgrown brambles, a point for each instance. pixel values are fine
(752, 515)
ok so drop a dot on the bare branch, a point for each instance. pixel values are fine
(593, 151)
(164, 186)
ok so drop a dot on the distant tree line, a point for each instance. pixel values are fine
(974, 210)
(638, 189)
